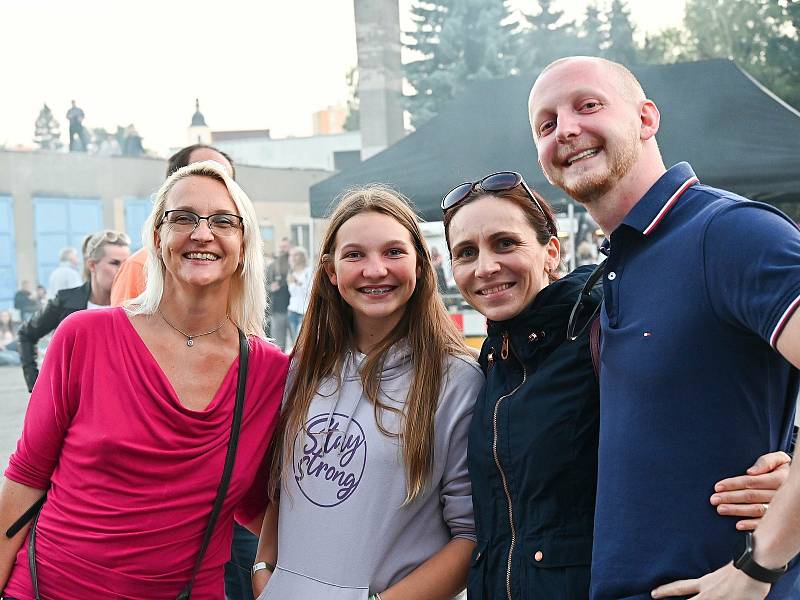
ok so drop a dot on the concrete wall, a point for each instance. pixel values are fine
(314, 152)
(280, 195)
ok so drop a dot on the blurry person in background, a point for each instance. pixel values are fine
(133, 142)
(130, 279)
(8, 340)
(75, 117)
(438, 265)
(66, 275)
(104, 252)
(299, 283)
(24, 301)
(278, 288)
(41, 297)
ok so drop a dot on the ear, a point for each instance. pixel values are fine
(157, 241)
(650, 120)
(91, 264)
(330, 269)
(553, 250)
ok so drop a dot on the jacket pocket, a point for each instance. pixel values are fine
(558, 567)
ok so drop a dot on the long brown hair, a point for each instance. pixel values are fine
(326, 336)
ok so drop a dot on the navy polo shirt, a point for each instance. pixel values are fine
(698, 285)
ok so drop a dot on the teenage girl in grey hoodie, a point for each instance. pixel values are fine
(374, 492)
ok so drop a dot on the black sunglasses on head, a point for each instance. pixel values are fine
(496, 182)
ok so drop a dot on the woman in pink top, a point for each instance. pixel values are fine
(129, 422)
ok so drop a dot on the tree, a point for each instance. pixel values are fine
(761, 36)
(667, 46)
(783, 52)
(621, 46)
(457, 41)
(593, 34)
(544, 37)
(353, 120)
(47, 133)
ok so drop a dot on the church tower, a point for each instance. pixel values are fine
(199, 132)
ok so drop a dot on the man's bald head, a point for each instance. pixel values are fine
(628, 86)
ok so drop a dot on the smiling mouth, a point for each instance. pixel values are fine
(201, 256)
(580, 156)
(376, 291)
(496, 289)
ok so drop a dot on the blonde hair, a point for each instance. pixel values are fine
(247, 302)
(326, 336)
(94, 246)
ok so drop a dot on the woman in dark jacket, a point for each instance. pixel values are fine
(103, 253)
(533, 441)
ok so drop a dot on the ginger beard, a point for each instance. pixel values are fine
(588, 182)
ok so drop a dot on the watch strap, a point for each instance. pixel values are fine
(747, 564)
(261, 566)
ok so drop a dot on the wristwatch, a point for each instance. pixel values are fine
(260, 566)
(747, 564)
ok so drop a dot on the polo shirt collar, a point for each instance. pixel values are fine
(646, 214)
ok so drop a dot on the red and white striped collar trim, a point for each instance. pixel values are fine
(669, 204)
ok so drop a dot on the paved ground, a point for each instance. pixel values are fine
(13, 401)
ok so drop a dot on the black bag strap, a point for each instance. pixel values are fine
(17, 525)
(222, 489)
(230, 458)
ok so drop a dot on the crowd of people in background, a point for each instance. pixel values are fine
(621, 434)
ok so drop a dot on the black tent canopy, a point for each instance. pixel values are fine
(736, 134)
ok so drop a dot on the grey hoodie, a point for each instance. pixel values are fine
(343, 531)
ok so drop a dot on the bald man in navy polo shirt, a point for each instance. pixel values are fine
(701, 336)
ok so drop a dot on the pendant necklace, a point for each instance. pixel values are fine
(190, 338)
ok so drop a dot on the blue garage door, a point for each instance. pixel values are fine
(62, 222)
(136, 211)
(8, 262)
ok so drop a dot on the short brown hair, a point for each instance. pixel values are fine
(538, 220)
(181, 158)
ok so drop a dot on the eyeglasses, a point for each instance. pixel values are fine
(496, 182)
(579, 310)
(185, 221)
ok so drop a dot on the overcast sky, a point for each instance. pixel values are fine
(254, 65)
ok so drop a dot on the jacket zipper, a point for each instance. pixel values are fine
(504, 355)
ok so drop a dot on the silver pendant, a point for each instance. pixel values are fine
(190, 342)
